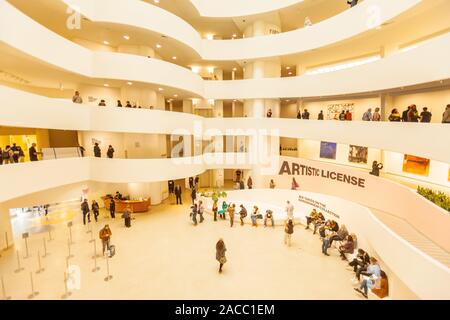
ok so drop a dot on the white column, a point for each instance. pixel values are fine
(5, 227)
(187, 106)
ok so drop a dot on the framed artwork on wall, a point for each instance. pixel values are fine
(328, 150)
(416, 165)
(357, 154)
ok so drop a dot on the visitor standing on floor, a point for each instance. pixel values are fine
(242, 214)
(425, 115)
(196, 183)
(269, 216)
(97, 151)
(85, 210)
(105, 236)
(289, 210)
(367, 116)
(191, 182)
(320, 116)
(112, 208)
(193, 214)
(215, 208)
(193, 195)
(249, 183)
(231, 210)
(77, 98)
(110, 152)
(376, 167)
(288, 231)
(126, 215)
(178, 194)
(171, 185)
(33, 153)
(254, 216)
(446, 115)
(201, 209)
(220, 254)
(95, 209)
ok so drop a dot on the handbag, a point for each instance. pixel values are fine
(259, 216)
(222, 260)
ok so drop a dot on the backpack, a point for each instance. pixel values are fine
(111, 251)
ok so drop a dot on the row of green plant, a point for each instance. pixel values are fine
(437, 197)
(214, 194)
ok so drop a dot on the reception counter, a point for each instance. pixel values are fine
(135, 205)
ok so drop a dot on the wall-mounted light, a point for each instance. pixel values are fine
(195, 69)
(210, 36)
(158, 46)
(129, 83)
(126, 37)
(106, 42)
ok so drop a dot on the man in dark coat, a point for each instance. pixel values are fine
(178, 194)
(112, 208)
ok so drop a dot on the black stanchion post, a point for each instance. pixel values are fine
(96, 268)
(19, 267)
(67, 293)
(4, 295)
(33, 292)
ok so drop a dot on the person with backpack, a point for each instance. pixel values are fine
(288, 231)
(242, 214)
(220, 254)
(126, 215)
(95, 209)
(105, 235)
(85, 210)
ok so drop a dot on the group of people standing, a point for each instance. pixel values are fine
(15, 154)
(98, 151)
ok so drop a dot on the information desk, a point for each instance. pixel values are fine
(135, 205)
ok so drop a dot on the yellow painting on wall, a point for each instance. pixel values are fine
(416, 165)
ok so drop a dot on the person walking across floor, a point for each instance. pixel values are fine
(220, 254)
(269, 216)
(178, 194)
(105, 235)
(193, 195)
(289, 210)
(85, 210)
(231, 210)
(288, 231)
(249, 183)
(95, 209)
(242, 214)
(201, 209)
(126, 215)
(193, 214)
(112, 208)
(215, 208)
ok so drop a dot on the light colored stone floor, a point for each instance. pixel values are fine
(163, 256)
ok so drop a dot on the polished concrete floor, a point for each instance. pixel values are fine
(163, 256)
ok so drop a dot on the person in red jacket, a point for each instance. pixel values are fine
(348, 116)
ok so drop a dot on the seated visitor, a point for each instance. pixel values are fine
(77, 98)
(425, 115)
(340, 235)
(319, 221)
(299, 114)
(383, 290)
(119, 103)
(360, 262)
(102, 103)
(372, 268)
(269, 113)
(128, 104)
(269, 216)
(311, 218)
(254, 216)
(342, 116)
(242, 214)
(395, 116)
(347, 248)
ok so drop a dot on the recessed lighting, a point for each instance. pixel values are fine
(288, 68)
(234, 35)
(106, 85)
(210, 36)
(174, 58)
(156, 1)
(158, 46)
(234, 100)
(290, 72)
(234, 69)
(129, 83)
(126, 37)
(160, 89)
(175, 95)
(195, 69)
(106, 42)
